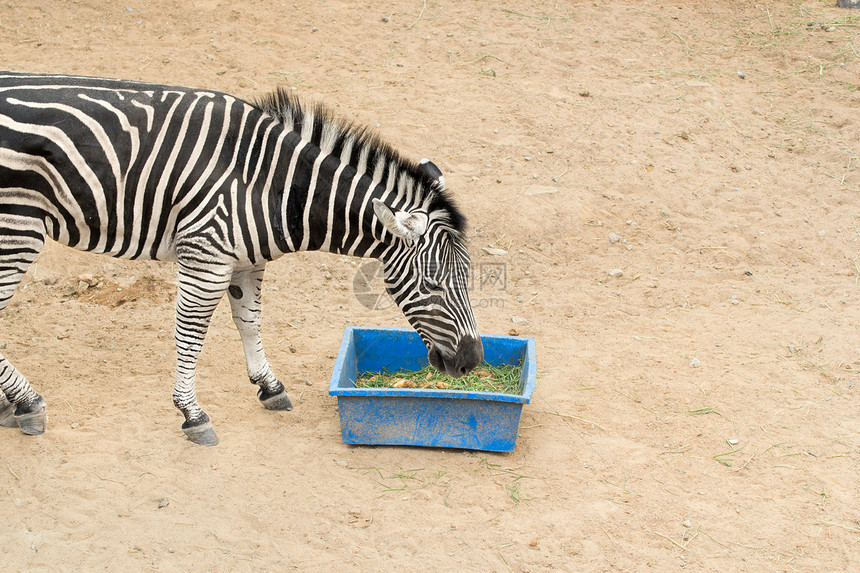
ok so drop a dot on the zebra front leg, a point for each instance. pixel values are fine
(245, 301)
(20, 405)
(197, 296)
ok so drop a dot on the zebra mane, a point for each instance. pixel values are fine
(331, 133)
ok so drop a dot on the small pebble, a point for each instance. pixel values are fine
(687, 523)
(616, 273)
(613, 238)
(695, 362)
(741, 75)
(733, 442)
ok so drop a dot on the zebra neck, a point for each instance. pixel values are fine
(326, 202)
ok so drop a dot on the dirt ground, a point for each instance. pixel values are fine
(675, 188)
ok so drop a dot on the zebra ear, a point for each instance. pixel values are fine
(401, 224)
(434, 172)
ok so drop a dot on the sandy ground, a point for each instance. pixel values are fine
(676, 190)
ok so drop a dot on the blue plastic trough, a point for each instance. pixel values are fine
(425, 417)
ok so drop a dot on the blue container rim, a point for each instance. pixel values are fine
(529, 364)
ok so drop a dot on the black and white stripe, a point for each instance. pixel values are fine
(220, 186)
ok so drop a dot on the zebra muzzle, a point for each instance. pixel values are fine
(470, 353)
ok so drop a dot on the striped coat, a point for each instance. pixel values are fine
(220, 186)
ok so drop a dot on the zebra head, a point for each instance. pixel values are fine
(427, 273)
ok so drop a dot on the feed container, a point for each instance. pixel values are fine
(426, 417)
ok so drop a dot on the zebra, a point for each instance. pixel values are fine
(220, 186)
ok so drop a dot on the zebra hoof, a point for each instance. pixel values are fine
(279, 402)
(32, 423)
(202, 435)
